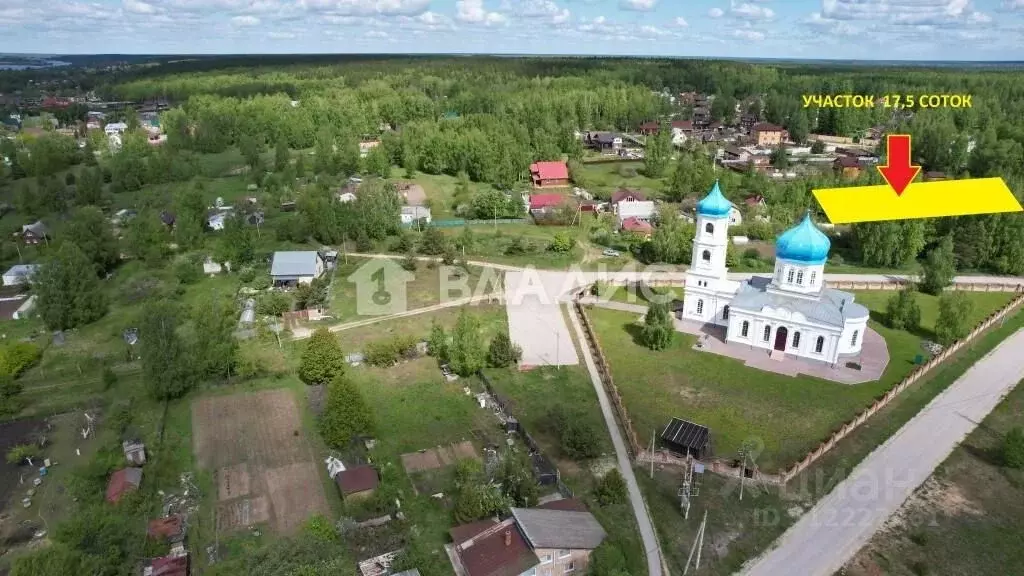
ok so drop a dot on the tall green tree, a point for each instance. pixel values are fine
(68, 292)
(346, 415)
(322, 360)
(281, 156)
(889, 244)
(89, 230)
(190, 216)
(902, 311)
(658, 329)
(89, 190)
(467, 352)
(939, 267)
(658, 152)
(954, 311)
(147, 238)
(215, 348)
(378, 162)
(167, 365)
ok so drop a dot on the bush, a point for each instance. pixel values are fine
(1013, 448)
(109, 379)
(187, 272)
(611, 489)
(22, 453)
(17, 357)
(658, 329)
(273, 304)
(562, 242)
(389, 351)
(752, 253)
(247, 275)
(577, 437)
(437, 345)
(503, 352)
(902, 311)
(409, 262)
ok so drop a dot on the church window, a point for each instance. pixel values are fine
(767, 333)
(789, 276)
(700, 306)
(796, 339)
(744, 329)
(800, 278)
(819, 345)
(853, 339)
(814, 276)
(709, 228)
(706, 256)
(725, 313)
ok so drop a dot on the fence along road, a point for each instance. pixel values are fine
(827, 536)
(636, 499)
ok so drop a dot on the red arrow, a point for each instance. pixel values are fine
(898, 172)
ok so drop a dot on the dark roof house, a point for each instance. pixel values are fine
(627, 195)
(167, 566)
(685, 437)
(169, 528)
(357, 480)
(564, 529)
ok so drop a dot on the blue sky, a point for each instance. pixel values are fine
(859, 29)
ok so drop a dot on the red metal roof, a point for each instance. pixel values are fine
(545, 200)
(501, 551)
(464, 532)
(169, 566)
(550, 170)
(634, 224)
(683, 124)
(754, 200)
(358, 479)
(766, 127)
(123, 481)
(168, 527)
(624, 193)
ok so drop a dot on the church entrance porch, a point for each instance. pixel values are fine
(781, 336)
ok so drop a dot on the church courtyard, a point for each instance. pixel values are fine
(784, 414)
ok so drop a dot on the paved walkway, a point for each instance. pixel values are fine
(303, 332)
(535, 321)
(636, 499)
(826, 537)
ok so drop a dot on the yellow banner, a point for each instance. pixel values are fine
(919, 200)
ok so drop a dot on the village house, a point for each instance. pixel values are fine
(115, 128)
(35, 232)
(768, 135)
(637, 226)
(216, 219)
(358, 482)
(296, 267)
(847, 167)
(552, 539)
(169, 529)
(367, 145)
(134, 452)
(171, 565)
(19, 274)
(122, 482)
(549, 174)
(755, 202)
(412, 214)
(413, 194)
(603, 142)
(545, 203)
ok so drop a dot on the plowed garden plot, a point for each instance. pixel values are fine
(263, 464)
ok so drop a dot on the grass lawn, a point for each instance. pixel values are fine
(967, 519)
(425, 289)
(643, 295)
(740, 403)
(440, 190)
(603, 179)
(957, 544)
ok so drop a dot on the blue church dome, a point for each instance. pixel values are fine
(803, 243)
(714, 204)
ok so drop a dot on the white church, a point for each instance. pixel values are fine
(789, 313)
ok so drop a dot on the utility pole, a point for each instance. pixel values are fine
(650, 454)
(698, 543)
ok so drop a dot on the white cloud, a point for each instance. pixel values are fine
(366, 7)
(745, 34)
(680, 22)
(653, 31)
(544, 10)
(716, 13)
(138, 7)
(376, 34)
(245, 21)
(751, 12)
(474, 12)
(281, 35)
(943, 13)
(1013, 4)
(638, 5)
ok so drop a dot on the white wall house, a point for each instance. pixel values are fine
(292, 268)
(792, 312)
(115, 128)
(411, 214)
(642, 209)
